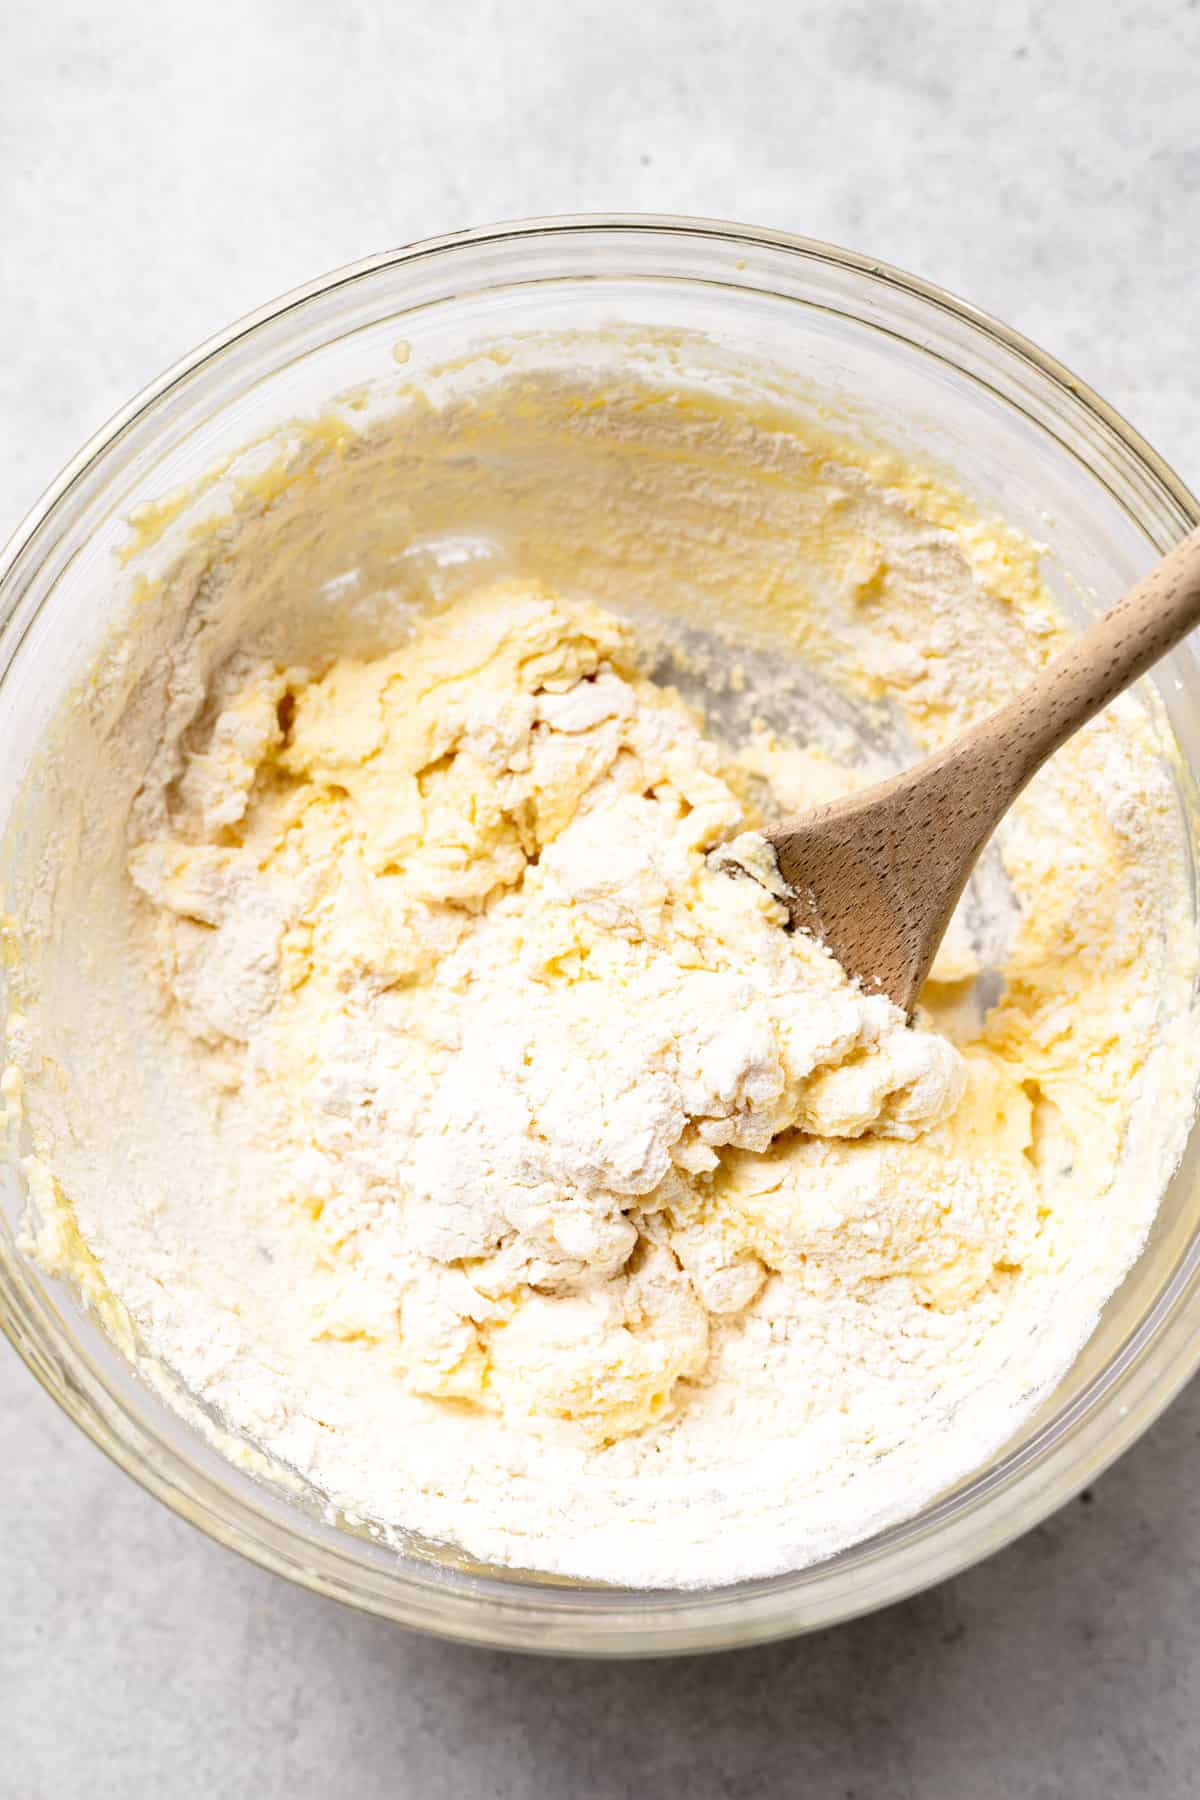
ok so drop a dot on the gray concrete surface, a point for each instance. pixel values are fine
(165, 166)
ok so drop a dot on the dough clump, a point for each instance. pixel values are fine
(546, 1090)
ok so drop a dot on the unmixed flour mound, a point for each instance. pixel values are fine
(531, 1188)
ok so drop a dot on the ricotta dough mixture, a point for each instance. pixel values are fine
(544, 1196)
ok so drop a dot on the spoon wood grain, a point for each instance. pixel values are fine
(877, 876)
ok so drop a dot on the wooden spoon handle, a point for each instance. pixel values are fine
(876, 876)
(1146, 622)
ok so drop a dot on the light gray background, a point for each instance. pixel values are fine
(167, 166)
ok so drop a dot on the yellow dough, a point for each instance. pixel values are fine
(449, 1130)
(453, 919)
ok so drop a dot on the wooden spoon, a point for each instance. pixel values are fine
(877, 876)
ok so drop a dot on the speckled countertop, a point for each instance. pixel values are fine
(164, 167)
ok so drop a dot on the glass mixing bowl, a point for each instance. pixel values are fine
(929, 372)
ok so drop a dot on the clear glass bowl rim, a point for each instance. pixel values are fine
(1045, 1472)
